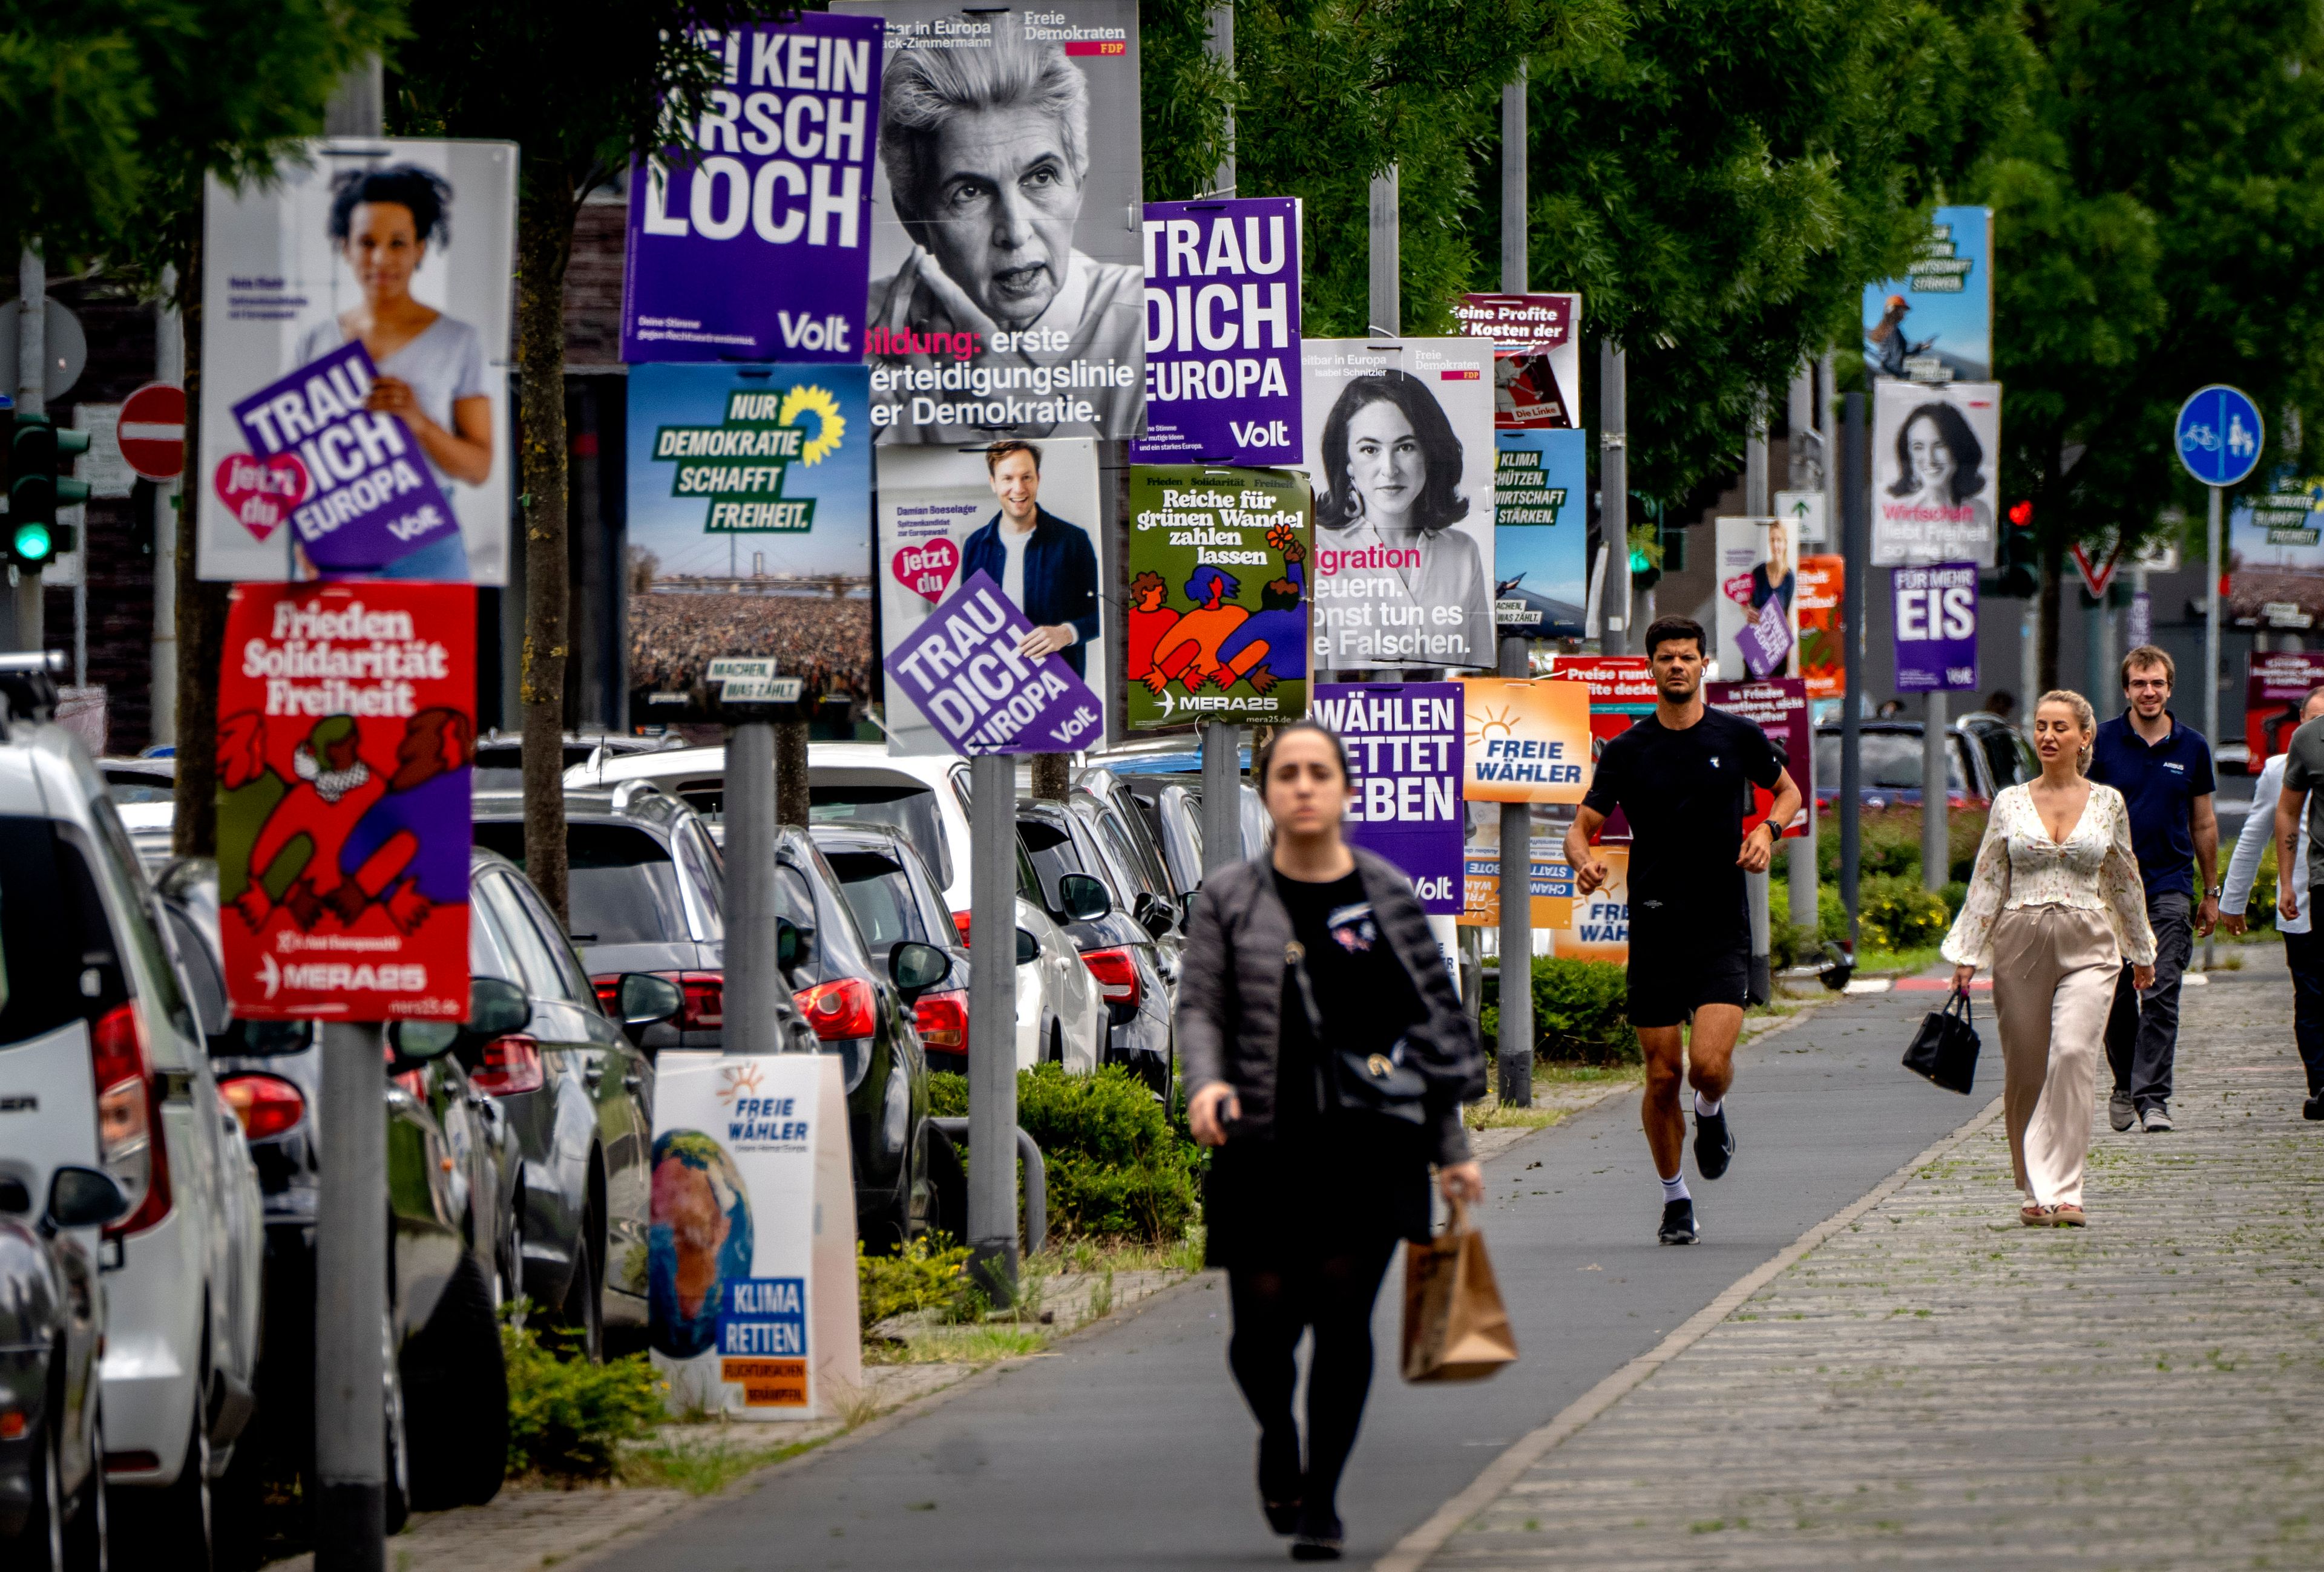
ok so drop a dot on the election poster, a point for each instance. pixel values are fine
(1025, 515)
(1780, 709)
(2275, 557)
(976, 669)
(1536, 357)
(1222, 333)
(1404, 747)
(1551, 879)
(1936, 472)
(1217, 625)
(1528, 739)
(1935, 324)
(1541, 533)
(347, 737)
(355, 387)
(1935, 627)
(749, 525)
(1756, 628)
(2276, 684)
(1400, 452)
(1823, 650)
(756, 245)
(1008, 294)
(751, 1291)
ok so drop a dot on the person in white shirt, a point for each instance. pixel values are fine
(2303, 948)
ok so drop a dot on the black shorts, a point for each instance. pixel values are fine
(1668, 982)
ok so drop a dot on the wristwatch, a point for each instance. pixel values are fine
(2214, 892)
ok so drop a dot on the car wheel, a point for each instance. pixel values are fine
(180, 1523)
(455, 1398)
(583, 1313)
(42, 1533)
(237, 1501)
(1056, 1044)
(395, 1496)
(87, 1533)
(509, 1303)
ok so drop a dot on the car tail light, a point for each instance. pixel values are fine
(838, 1009)
(264, 1105)
(1116, 971)
(959, 923)
(511, 1064)
(705, 1009)
(943, 1021)
(133, 1149)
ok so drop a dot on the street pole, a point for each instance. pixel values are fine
(1855, 547)
(1514, 1052)
(1756, 886)
(169, 366)
(1221, 804)
(1935, 844)
(752, 976)
(993, 1024)
(2218, 566)
(1614, 497)
(32, 398)
(1805, 429)
(1387, 239)
(790, 775)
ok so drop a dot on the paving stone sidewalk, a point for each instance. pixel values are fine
(1937, 1386)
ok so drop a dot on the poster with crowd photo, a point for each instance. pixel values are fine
(346, 741)
(1541, 533)
(1405, 759)
(1936, 472)
(758, 247)
(1008, 294)
(1935, 324)
(364, 290)
(1026, 516)
(750, 527)
(1757, 627)
(1222, 333)
(1536, 357)
(1217, 627)
(1400, 452)
(2275, 557)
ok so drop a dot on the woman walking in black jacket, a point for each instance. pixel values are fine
(1326, 1056)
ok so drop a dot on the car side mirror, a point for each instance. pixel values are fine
(1028, 949)
(645, 999)
(83, 1198)
(1082, 897)
(495, 1009)
(916, 968)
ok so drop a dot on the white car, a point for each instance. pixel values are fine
(103, 1064)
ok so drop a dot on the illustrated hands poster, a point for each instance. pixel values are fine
(1217, 625)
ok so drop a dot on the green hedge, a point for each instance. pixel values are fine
(1896, 914)
(1117, 1167)
(568, 1417)
(1580, 1011)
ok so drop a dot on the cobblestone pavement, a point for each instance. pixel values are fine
(1935, 1385)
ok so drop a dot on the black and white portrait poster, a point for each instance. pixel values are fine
(1936, 472)
(1007, 263)
(1400, 452)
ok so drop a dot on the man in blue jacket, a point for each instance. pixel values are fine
(1043, 565)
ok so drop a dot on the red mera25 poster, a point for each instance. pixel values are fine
(346, 734)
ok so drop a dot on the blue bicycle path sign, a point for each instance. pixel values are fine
(2219, 434)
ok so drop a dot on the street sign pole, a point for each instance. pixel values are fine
(753, 976)
(1221, 804)
(2212, 530)
(1613, 498)
(353, 1412)
(1514, 1054)
(1855, 511)
(993, 1024)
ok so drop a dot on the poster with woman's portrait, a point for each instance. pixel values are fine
(384, 263)
(1008, 261)
(1757, 624)
(1936, 472)
(1400, 452)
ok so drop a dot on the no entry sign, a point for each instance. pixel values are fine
(153, 431)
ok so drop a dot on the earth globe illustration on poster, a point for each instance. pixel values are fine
(698, 1242)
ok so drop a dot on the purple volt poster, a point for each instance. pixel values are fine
(1936, 627)
(759, 248)
(354, 483)
(965, 669)
(1222, 333)
(1404, 760)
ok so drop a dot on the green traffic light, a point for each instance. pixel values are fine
(31, 544)
(1638, 563)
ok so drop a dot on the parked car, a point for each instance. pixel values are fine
(144, 790)
(1172, 804)
(1891, 757)
(53, 1509)
(1131, 836)
(1122, 953)
(500, 755)
(453, 1262)
(106, 1067)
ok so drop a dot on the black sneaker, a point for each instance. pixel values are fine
(1320, 1538)
(2313, 1109)
(1714, 1143)
(1678, 1222)
(1279, 1483)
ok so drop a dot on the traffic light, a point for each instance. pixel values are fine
(2017, 566)
(38, 455)
(1646, 548)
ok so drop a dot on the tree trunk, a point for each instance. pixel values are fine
(544, 244)
(201, 611)
(1053, 776)
(2053, 585)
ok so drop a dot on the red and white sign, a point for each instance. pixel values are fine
(2096, 577)
(153, 431)
(346, 736)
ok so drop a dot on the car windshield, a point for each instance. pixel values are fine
(621, 885)
(136, 785)
(911, 808)
(1892, 761)
(500, 767)
(879, 893)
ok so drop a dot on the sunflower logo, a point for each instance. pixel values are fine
(831, 425)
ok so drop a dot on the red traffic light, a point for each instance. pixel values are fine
(2021, 514)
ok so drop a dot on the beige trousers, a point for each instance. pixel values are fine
(2053, 978)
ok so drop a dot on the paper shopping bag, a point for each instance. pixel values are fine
(1455, 1328)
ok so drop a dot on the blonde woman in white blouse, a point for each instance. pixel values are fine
(2055, 908)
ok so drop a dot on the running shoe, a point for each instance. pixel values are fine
(2158, 1119)
(2313, 1109)
(1320, 1538)
(2120, 1114)
(1678, 1223)
(1714, 1143)
(1279, 1483)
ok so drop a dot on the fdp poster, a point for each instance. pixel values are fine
(2276, 684)
(1400, 452)
(1222, 333)
(345, 742)
(1823, 651)
(1217, 627)
(1541, 533)
(1936, 472)
(758, 246)
(1536, 355)
(1404, 747)
(1935, 324)
(749, 524)
(1024, 514)
(1756, 625)
(1008, 269)
(347, 234)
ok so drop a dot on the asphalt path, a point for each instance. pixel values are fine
(1128, 1448)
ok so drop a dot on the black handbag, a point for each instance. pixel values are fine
(1364, 1083)
(1945, 1049)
